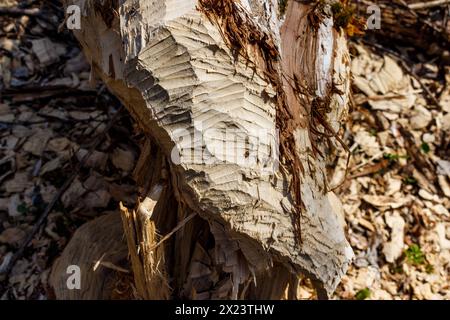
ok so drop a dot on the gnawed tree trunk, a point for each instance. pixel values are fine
(244, 221)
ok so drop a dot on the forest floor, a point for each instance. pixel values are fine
(59, 125)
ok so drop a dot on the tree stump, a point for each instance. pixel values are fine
(241, 103)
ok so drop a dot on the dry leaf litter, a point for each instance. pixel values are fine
(51, 113)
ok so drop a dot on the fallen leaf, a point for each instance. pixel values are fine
(96, 159)
(384, 201)
(38, 141)
(5, 262)
(14, 203)
(97, 199)
(50, 166)
(12, 236)
(47, 51)
(123, 159)
(72, 195)
(18, 183)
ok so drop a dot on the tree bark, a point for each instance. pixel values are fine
(225, 211)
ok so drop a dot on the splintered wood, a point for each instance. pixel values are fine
(147, 261)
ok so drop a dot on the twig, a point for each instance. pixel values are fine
(347, 165)
(447, 12)
(429, 4)
(52, 203)
(21, 12)
(32, 93)
(178, 227)
(424, 87)
(364, 162)
(424, 19)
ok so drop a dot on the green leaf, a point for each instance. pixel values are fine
(397, 269)
(22, 208)
(414, 255)
(425, 147)
(394, 157)
(410, 181)
(363, 294)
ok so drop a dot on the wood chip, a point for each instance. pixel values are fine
(393, 249)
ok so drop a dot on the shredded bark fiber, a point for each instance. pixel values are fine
(247, 40)
(258, 48)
